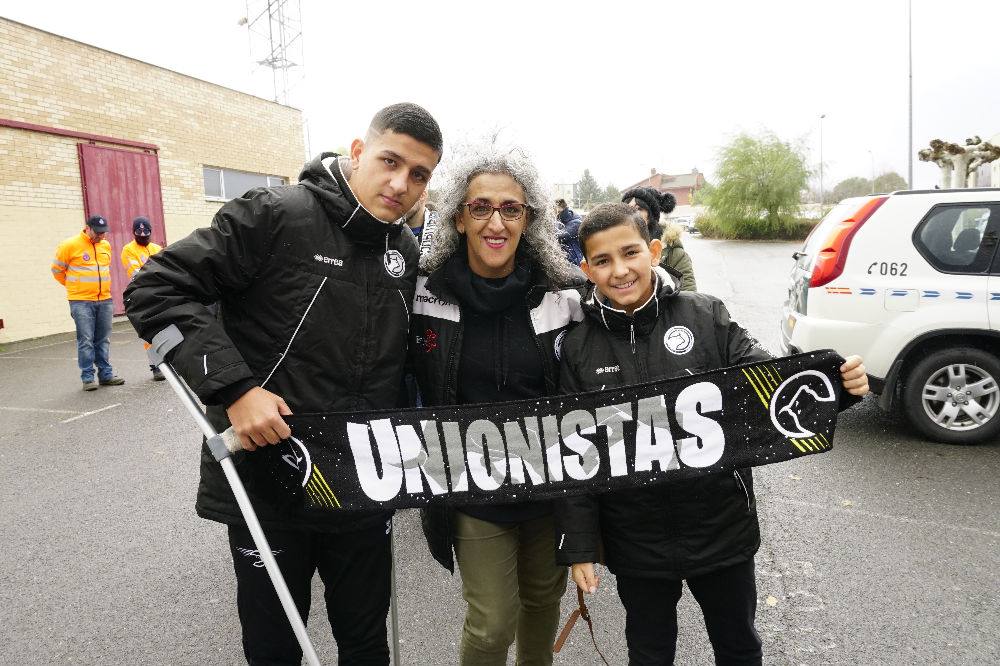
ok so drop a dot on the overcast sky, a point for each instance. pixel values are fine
(617, 87)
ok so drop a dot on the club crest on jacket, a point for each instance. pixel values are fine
(678, 340)
(395, 264)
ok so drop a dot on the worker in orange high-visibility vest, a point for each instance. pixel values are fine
(135, 255)
(83, 265)
(138, 252)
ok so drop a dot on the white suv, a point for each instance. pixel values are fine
(911, 282)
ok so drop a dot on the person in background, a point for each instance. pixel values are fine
(493, 300)
(422, 220)
(135, 254)
(675, 258)
(650, 204)
(83, 265)
(569, 232)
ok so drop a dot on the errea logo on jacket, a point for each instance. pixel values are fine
(328, 260)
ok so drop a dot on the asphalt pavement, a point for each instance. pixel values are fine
(885, 550)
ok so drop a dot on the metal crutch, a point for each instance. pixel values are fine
(393, 613)
(162, 343)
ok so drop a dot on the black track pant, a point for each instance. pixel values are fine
(728, 599)
(354, 567)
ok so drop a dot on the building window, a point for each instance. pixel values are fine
(226, 184)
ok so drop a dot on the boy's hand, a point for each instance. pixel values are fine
(256, 418)
(585, 578)
(854, 375)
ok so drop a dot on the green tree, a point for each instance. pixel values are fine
(850, 187)
(702, 196)
(587, 191)
(890, 182)
(759, 181)
(611, 194)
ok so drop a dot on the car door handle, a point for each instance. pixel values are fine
(798, 255)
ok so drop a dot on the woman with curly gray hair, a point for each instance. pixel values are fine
(493, 302)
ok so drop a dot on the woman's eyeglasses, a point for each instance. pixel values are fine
(510, 211)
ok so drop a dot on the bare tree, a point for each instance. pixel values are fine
(958, 162)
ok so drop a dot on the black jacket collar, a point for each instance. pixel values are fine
(643, 318)
(324, 177)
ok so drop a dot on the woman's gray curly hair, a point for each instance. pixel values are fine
(539, 236)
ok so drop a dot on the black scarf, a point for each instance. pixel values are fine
(486, 295)
(763, 412)
(496, 318)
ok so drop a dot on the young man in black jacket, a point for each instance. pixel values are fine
(639, 328)
(314, 283)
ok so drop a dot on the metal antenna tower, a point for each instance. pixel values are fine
(275, 32)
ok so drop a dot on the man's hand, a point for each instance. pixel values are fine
(854, 375)
(585, 578)
(256, 418)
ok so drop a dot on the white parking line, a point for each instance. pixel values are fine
(51, 344)
(886, 516)
(39, 409)
(96, 411)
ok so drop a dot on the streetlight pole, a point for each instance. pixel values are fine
(909, 145)
(821, 193)
(872, 155)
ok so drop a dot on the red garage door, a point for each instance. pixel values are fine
(121, 185)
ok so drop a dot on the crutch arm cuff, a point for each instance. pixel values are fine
(163, 343)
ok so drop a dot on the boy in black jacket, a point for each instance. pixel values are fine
(638, 328)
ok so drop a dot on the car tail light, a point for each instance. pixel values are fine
(832, 255)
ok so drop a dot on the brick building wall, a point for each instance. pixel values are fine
(683, 195)
(54, 81)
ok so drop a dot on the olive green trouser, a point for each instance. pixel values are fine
(512, 585)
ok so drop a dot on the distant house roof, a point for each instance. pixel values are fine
(663, 181)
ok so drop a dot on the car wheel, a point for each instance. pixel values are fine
(953, 396)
